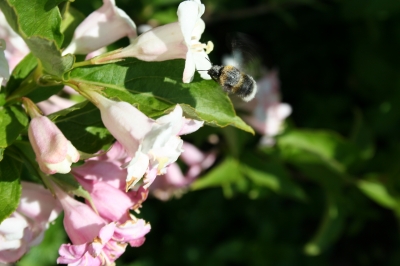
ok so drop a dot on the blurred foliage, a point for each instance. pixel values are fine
(328, 192)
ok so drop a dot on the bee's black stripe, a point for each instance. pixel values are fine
(246, 87)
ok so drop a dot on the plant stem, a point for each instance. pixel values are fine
(27, 86)
(83, 63)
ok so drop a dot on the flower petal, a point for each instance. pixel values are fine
(202, 63)
(101, 28)
(122, 120)
(105, 234)
(188, 14)
(133, 232)
(190, 126)
(136, 169)
(190, 68)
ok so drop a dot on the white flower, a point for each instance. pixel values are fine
(192, 26)
(173, 41)
(152, 144)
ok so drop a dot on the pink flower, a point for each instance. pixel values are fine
(104, 179)
(106, 168)
(173, 41)
(94, 240)
(152, 144)
(159, 44)
(101, 28)
(54, 153)
(16, 46)
(268, 113)
(26, 226)
(174, 181)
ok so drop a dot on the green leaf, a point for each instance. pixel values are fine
(225, 173)
(320, 155)
(155, 87)
(20, 72)
(13, 121)
(2, 98)
(34, 18)
(38, 22)
(330, 228)
(379, 193)
(329, 146)
(43, 93)
(270, 173)
(71, 19)
(24, 151)
(82, 125)
(50, 55)
(10, 187)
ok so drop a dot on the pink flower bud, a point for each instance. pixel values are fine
(54, 153)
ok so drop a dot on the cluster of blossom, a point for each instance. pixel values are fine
(100, 229)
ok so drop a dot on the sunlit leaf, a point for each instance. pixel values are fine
(13, 121)
(379, 193)
(82, 125)
(38, 22)
(270, 174)
(155, 87)
(226, 173)
(10, 187)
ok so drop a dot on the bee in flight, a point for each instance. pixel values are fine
(229, 77)
(234, 81)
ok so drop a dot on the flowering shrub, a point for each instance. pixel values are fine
(106, 107)
(110, 147)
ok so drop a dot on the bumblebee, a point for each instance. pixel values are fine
(234, 81)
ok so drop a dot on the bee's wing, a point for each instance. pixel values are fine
(245, 52)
